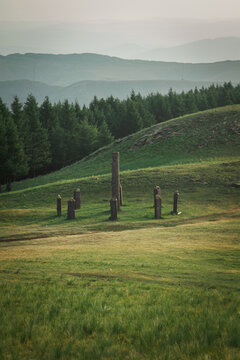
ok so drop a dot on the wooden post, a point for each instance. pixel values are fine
(156, 191)
(114, 208)
(116, 178)
(59, 205)
(121, 195)
(71, 209)
(158, 207)
(175, 202)
(77, 198)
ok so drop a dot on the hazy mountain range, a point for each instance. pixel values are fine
(82, 76)
(65, 70)
(202, 51)
(84, 91)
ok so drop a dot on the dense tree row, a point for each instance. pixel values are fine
(38, 139)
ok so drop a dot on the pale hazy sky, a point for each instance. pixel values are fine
(124, 28)
(92, 10)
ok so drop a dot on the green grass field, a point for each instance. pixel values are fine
(137, 288)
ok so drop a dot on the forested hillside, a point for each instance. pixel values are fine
(39, 139)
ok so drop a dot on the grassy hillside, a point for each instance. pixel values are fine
(206, 136)
(197, 154)
(137, 288)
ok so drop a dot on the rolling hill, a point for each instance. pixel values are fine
(208, 136)
(198, 154)
(103, 278)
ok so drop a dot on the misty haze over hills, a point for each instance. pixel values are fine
(126, 39)
(65, 70)
(84, 91)
(202, 51)
(82, 76)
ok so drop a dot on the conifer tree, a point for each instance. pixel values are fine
(36, 139)
(176, 104)
(131, 120)
(115, 113)
(49, 121)
(224, 95)
(202, 100)
(87, 138)
(104, 135)
(47, 115)
(58, 147)
(3, 151)
(17, 115)
(236, 94)
(190, 103)
(211, 94)
(13, 162)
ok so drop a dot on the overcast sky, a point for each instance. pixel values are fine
(124, 28)
(92, 10)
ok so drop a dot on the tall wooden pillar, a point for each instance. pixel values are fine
(158, 207)
(59, 205)
(71, 209)
(77, 198)
(175, 202)
(114, 209)
(116, 177)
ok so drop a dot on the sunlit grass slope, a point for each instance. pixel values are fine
(208, 135)
(197, 154)
(205, 192)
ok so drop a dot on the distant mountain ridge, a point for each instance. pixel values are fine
(84, 91)
(65, 70)
(205, 50)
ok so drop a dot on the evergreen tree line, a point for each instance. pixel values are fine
(39, 139)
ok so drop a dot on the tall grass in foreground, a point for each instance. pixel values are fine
(170, 293)
(111, 319)
(168, 290)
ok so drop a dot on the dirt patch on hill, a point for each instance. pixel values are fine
(157, 134)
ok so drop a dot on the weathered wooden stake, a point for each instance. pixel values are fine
(158, 207)
(116, 178)
(121, 195)
(156, 191)
(175, 202)
(77, 198)
(71, 209)
(59, 205)
(114, 208)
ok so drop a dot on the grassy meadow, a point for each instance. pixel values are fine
(158, 293)
(137, 288)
